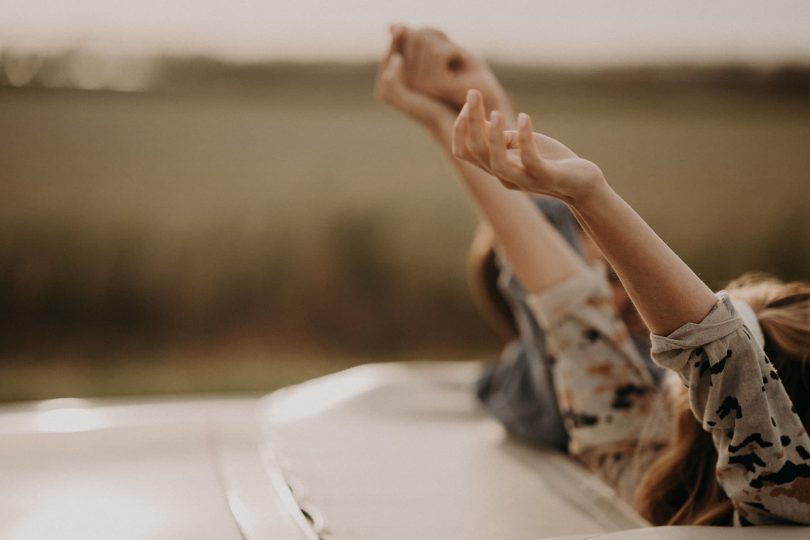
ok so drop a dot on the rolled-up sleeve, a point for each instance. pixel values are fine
(736, 394)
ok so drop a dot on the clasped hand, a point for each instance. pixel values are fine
(426, 76)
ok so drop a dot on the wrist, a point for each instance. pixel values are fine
(441, 129)
(595, 197)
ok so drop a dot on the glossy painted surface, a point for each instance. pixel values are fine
(402, 451)
(394, 451)
(161, 469)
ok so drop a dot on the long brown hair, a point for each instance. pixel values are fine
(680, 487)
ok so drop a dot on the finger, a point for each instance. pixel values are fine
(412, 52)
(395, 45)
(511, 140)
(529, 155)
(397, 67)
(459, 134)
(432, 64)
(436, 33)
(428, 52)
(422, 61)
(497, 149)
(394, 91)
(392, 88)
(398, 34)
(504, 168)
(388, 76)
(479, 146)
(461, 130)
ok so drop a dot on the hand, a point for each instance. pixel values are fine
(393, 89)
(436, 66)
(522, 159)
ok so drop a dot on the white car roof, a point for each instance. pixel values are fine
(136, 469)
(403, 451)
(382, 451)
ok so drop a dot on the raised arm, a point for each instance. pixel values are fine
(539, 256)
(664, 289)
(763, 462)
(604, 391)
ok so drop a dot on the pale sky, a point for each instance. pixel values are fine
(564, 32)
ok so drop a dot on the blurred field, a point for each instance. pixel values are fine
(251, 230)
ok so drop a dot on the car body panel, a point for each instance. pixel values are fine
(402, 451)
(133, 470)
(392, 451)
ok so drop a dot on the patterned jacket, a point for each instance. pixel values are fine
(518, 389)
(609, 401)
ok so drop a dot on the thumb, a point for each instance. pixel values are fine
(396, 65)
(394, 76)
(392, 85)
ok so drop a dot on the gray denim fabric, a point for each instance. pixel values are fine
(518, 388)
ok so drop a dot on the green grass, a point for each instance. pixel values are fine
(299, 212)
(166, 372)
(235, 365)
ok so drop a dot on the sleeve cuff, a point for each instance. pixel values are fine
(721, 321)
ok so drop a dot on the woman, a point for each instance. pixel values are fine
(425, 76)
(739, 452)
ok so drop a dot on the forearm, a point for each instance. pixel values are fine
(537, 253)
(666, 292)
